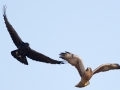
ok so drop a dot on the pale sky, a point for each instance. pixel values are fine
(89, 29)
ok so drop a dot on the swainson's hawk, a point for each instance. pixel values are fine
(88, 73)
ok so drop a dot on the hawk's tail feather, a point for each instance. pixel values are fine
(82, 84)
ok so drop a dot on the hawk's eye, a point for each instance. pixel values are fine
(87, 69)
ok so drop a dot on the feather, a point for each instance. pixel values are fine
(106, 67)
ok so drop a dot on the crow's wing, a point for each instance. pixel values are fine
(106, 67)
(34, 55)
(15, 37)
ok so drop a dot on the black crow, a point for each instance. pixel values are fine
(23, 48)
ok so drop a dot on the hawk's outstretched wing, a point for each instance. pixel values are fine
(106, 67)
(80, 67)
(74, 60)
(15, 37)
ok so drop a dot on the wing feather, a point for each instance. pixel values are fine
(15, 37)
(106, 67)
(34, 55)
(80, 67)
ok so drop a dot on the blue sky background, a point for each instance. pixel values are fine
(89, 29)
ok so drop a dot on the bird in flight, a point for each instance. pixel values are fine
(86, 74)
(23, 48)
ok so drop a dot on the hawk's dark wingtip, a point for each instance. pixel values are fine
(118, 67)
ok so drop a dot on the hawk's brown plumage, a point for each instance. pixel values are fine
(88, 73)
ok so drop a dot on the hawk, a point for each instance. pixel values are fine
(86, 74)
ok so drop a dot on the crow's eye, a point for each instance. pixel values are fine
(87, 69)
